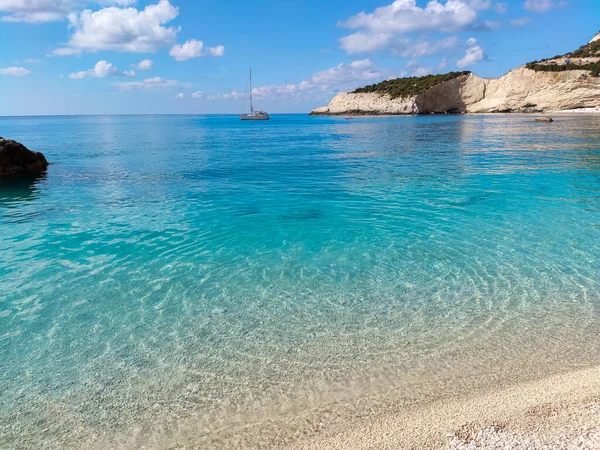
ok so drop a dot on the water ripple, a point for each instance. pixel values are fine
(195, 276)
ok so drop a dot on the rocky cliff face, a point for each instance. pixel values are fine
(521, 90)
(524, 90)
(549, 86)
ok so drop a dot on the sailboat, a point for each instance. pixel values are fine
(254, 115)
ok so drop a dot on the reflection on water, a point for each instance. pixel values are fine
(16, 190)
(202, 281)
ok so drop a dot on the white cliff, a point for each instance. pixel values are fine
(524, 89)
(520, 90)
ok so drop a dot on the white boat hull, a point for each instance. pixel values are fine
(254, 117)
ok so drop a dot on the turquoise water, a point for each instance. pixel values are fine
(202, 281)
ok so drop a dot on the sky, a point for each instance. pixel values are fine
(192, 56)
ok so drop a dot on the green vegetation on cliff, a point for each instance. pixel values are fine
(587, 51)
(591, 50)
(406, 87)
(594, 68)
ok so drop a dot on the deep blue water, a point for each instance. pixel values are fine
(177, 273)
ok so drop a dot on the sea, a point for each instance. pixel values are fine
(197, 281)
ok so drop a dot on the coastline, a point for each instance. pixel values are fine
(594, 110)
(560, 411)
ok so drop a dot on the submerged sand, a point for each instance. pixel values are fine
(558, 412)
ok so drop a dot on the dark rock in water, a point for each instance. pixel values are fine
(545, 119)
(16, 159)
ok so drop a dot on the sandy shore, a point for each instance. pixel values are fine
(581, 110)
(559, 412)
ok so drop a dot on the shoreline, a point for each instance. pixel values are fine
(560, 411)
(592, 110)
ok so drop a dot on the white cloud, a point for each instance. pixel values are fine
(474, 54)
(35, 11)
(15, 71)
(219, 50)
(341, 78)
(148, 83)
(442, 65)
(404, 16)
(194, 49)
(180, 95)
(102, 69)
(191, 49)
(543, 5)
(362, 41)
(122, 29)
(520, 22)
(32, 61)
(145, 64)
(387, 26)
(198, 94)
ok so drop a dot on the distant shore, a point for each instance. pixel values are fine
(594, 110)
(581, 110)
(561, 411)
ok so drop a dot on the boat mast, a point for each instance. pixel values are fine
(251, 109)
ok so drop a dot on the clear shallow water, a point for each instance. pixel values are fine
(189, 280)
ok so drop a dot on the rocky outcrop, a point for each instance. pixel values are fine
(368, 104)
(567, 82)
(521, 90)
(16, 159)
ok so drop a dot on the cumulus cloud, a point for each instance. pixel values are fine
(180, 95)
(541, 6)
(15, 71)
(387, 26)
(520, 22)
(145, 64)
(102, 69)
(219, 50)
(35, 11)
(343, 77)
(404, 16)
(198, 94)
(149, 83)
(122, 29)
(194, 49)
(474, 54)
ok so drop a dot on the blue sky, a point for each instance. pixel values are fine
(189, 56)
